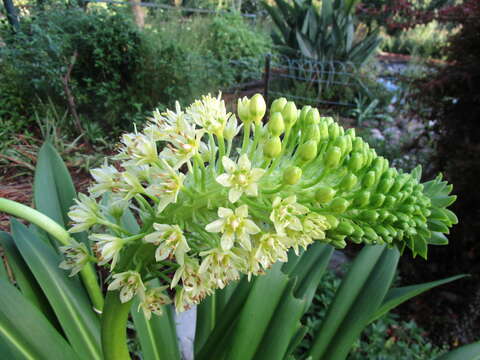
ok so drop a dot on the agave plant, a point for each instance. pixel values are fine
(326, 34)
(185, 214)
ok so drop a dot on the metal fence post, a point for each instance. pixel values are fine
(267, 77)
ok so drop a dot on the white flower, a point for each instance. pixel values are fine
(240, 178)
(165, 185)
(140, 148)
(130, 284)
(84, 214)
(271, 248)
(210, 113)
(153, 301)
(231, 129)
(76, 256)
(234, 226)
(108, 248)
(107, 178)
(220, 266)
(170, 241)
(285, 213)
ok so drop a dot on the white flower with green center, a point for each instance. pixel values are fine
(165, 184)
(220, 266)
(140, 148)
(84, 214)
(170, 241)
(210, 113)
(153, 301)
(240, 178)
(130, 284)
(107, 178)
(107, 248)
(285, 214)
(315, 225)
(76, 256)
(234, 226)
(270, 249)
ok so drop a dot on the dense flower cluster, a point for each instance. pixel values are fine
(188, 204)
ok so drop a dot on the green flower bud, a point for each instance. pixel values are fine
(333, 156)
(358, 145)
(380, 230)
(341, 142)
(338, 241)
(292, 175)
(368, 179)
(332, 221)
(308, 151)
(356, 162)
(348, 182)
(273, 147)
(312, 132)
(339, 205)
(333, 130)
(377, 200)
(243, 109)
(382, 215)
(290, 114)
(323, 126)
(390, 201)
(328, 119)
(358, 231)
(345, 228)
(370, 216)
(351, 132)
(362, 199)
(302, 118)
(278, 105)
(276, 126)
(370, 233)
(324, 194)
(313, 117)
(385, 185)
(257, 108)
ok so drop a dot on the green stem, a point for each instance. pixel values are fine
(114, 327)
(221, 148)
(246, 136)
(58, 232)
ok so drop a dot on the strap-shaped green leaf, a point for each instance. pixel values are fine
(25, 333)
(358, 298)
(65, 294)
(54, 192)
(257, 314)
(24, 278)
(157, 336)
(399, 295)
(466, 352)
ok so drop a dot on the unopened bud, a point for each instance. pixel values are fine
(345, 228)
(276, 126)
(348, 182)
(308, 151)
(339, 205)
(278, 105)
(243, 109)
(377, 200)
(313, 117)
(312, 132)
(257, 107)
(368, 179)
(273, 147)
(323, 126)
(362, 199)
(292, 175)
(385, 185)
(333, 130)
(290, 114)
(324, 194)
(356, 162)
(370, 216)
(333, 156)
(302, 117)
(341, 142)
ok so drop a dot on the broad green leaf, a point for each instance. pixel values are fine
(285, 323)
(24, 278)
(399, 295)
(158, 338)
(358, 298)
(466, 352)
(25, 333)
(54, 192)
(257, 313)
(225, 322)
(206, 319)
(65, 294)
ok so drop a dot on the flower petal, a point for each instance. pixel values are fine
(244, 163)
(228, 164)
(216, 226)
(234, 194)
(225, 180)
